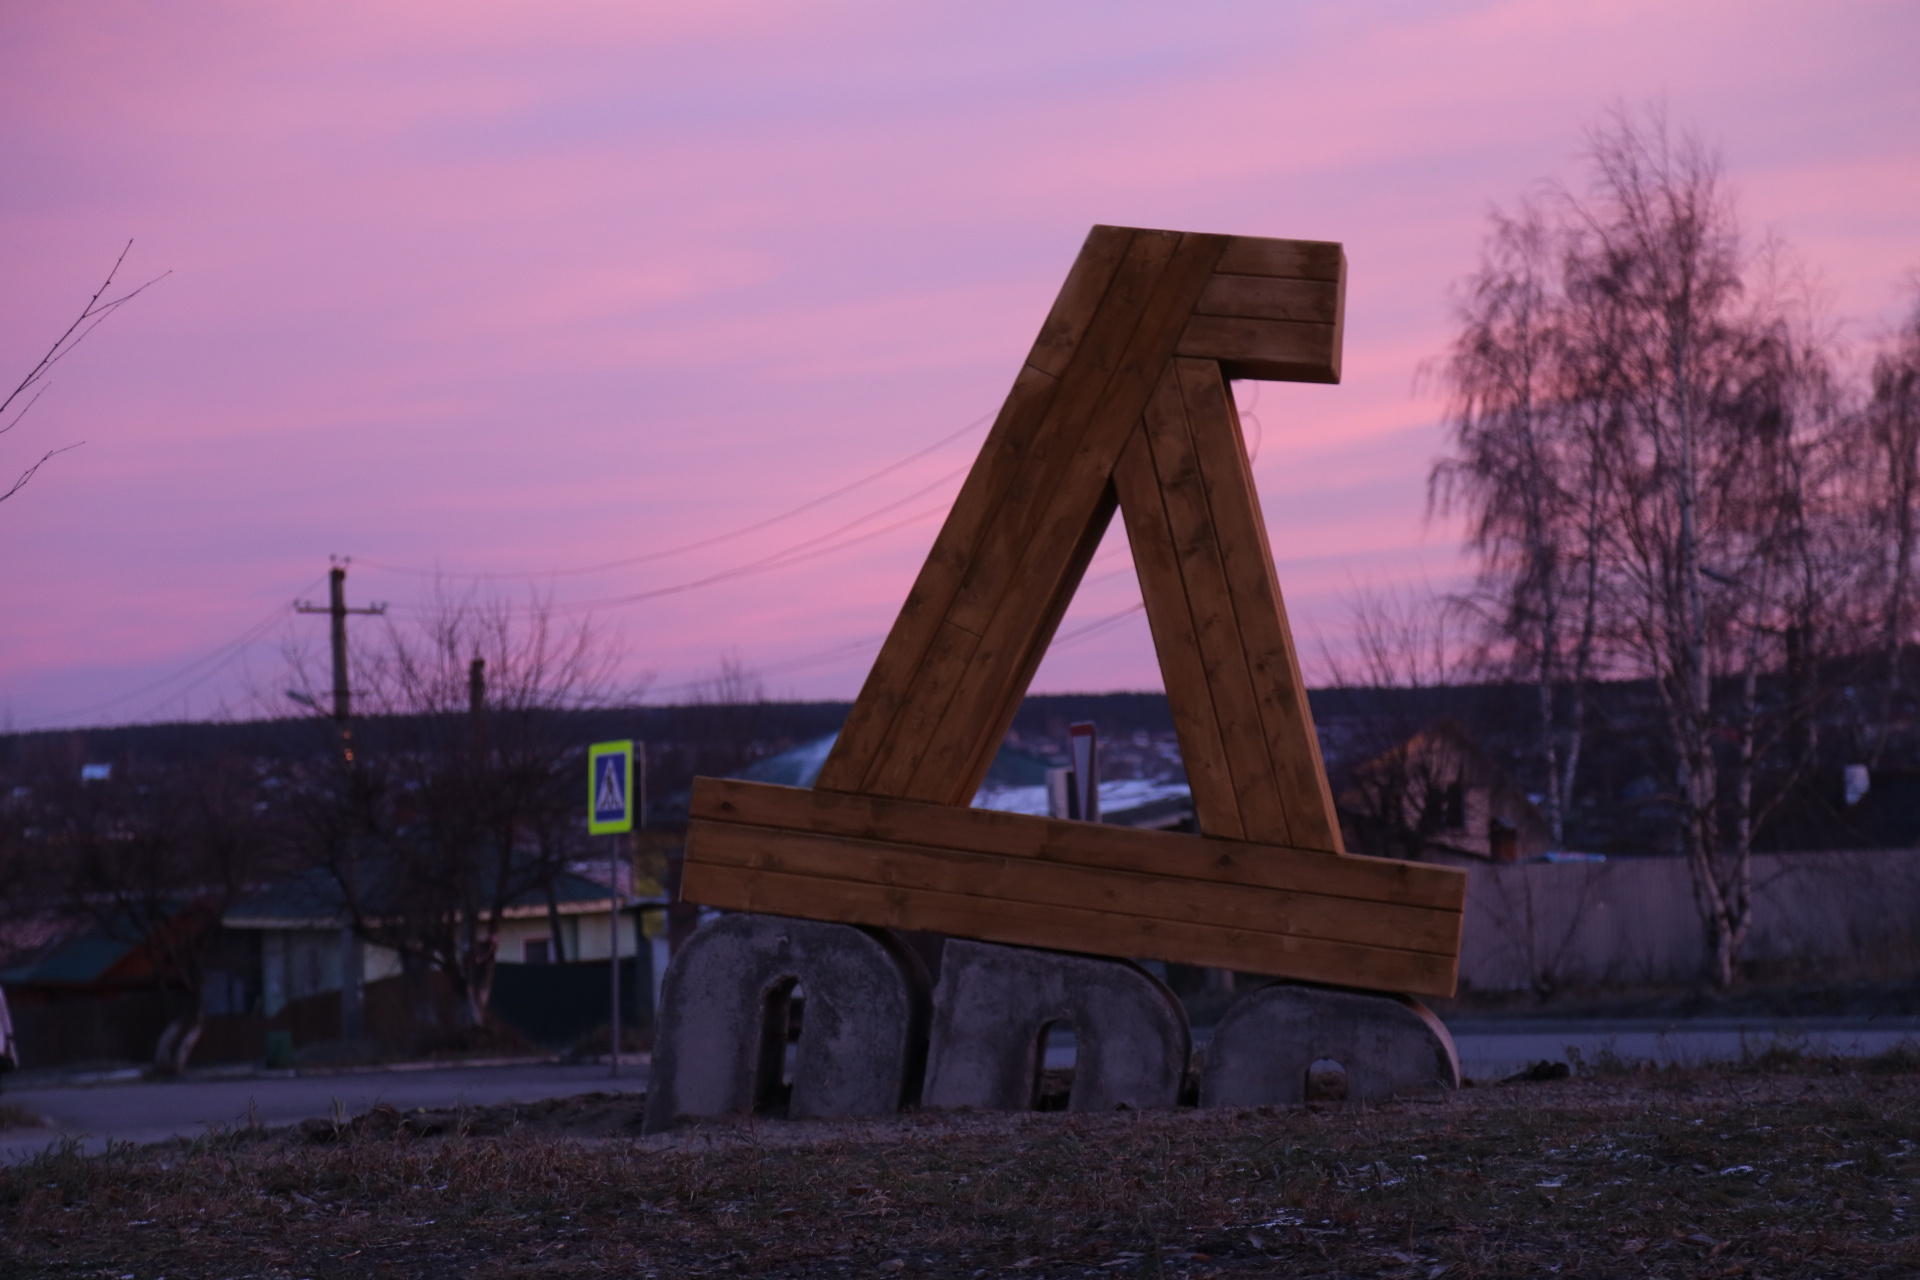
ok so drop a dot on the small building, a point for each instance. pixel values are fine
(1437, 796)
(552, 955)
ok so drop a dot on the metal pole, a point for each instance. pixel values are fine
(613, 915)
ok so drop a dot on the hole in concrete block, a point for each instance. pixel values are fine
(1326, 1081)
(779, 1028)
(1056, 1053)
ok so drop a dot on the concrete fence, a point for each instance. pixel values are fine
(1634, 921)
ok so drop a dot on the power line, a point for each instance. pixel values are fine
(846, 650)
(781, 559)
(219, 657)
(702, 543)
(1099, 624)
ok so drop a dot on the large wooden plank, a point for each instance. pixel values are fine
(1040, 572)
(1058, 488)
(1043, 883)
(1016, 835)
(917, 626)
(1298, 259)
(1069, 929)
(1261, 634)
(1073, 309)
(967, 781)
(1281, 350)
(1216, 628)
(1033, 494)
(1006, 454)
(1150, 537)
(1267, 298)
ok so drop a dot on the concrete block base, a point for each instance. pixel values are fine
(1271, 1041)
(721, 1044)
(994, 1005)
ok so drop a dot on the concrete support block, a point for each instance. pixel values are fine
(993, 1008)
(721, 1042)
(1269, 1040)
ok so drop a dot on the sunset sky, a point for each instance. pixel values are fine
(510, 288)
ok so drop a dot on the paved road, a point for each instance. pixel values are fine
(142, 1111)
(147, 1111)
(1494, 1049)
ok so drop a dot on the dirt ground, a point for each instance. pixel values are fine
(1787, 1168)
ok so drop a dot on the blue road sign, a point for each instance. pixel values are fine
(610, 787)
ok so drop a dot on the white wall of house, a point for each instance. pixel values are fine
(297, 963)
(585, 934)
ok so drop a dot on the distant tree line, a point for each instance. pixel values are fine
(1669, 472)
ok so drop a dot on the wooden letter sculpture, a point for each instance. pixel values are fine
(1122, 403)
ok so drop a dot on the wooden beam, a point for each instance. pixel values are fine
(1170, 618)
(1151, 895)
(1266, 298)
(1070, 929)
(1122, 402)
(1261, 639)
(1016, 835)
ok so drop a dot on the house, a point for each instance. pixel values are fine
(1437, 796)
(96, 991)
(551, 956)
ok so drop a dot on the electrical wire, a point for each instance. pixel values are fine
(1097, 625)
(846, 650)
(219, 658)
(698, 545)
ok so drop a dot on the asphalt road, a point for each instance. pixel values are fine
(149, 1111)
(1494, 1049)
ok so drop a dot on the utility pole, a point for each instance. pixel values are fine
(352, 954)
(337, 610)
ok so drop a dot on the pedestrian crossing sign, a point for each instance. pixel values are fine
(610, 788)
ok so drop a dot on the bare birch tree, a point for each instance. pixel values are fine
(1645, 441)
(1891, 470)
(1527, 471)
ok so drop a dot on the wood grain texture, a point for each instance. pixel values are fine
(1043, 882)
(1266, 298)
(1277, 350)
(1295, 259)
(1080, 296)
(1069, 929)
(1260, 635)
(1031, 583)
(1016, 835)
(1121, 402)
(1170, 619)
(917, 628)
(1032, 494)
(1211, 607)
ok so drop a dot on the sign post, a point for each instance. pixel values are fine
(610, 813)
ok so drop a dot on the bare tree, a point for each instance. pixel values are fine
(1891, 473)
(91, 316)
(461, 793)
(1390, 692)
(150, 856)
(1528, 471)
(1647, 439)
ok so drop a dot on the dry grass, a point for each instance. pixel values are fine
(1786, 1169)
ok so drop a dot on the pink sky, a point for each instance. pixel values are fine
(504, 288)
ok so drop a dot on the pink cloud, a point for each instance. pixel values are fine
(496, 287)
